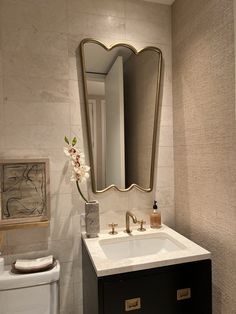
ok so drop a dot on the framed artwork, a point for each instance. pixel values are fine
(24, 193)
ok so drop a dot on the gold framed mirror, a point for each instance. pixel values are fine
(122, 104)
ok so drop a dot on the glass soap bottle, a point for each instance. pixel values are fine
(155, 217)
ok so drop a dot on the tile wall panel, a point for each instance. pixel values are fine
(40, 102)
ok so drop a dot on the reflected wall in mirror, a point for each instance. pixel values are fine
(121, 89)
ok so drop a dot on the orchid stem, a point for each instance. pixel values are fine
(81, 192)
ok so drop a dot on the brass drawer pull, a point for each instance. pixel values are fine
(183, 294)
(132, 304)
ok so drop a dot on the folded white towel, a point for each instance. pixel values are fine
(24, 264)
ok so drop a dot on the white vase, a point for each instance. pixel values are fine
(92, 225)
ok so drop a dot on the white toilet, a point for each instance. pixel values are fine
(36, 293)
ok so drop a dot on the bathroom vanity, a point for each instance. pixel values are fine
(157, 272)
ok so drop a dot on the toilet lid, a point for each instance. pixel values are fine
(14, 270)
(9, 281)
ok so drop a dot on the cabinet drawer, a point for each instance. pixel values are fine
(146, 289)
(182, 289)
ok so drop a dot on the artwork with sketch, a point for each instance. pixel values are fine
(23, 189)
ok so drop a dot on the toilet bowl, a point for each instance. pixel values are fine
(36, 293)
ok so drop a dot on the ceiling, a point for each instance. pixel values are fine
(168, 2)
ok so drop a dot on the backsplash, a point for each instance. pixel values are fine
(40, 104)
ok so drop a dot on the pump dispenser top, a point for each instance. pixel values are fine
(155, 205)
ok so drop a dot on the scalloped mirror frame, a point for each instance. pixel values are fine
(156, 126)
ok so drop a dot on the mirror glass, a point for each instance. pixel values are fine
(121, 89)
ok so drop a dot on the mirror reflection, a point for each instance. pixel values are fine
(121, 91)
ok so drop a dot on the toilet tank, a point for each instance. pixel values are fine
(36, 293)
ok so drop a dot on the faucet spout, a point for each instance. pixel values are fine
(128, 216)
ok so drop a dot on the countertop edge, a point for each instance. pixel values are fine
(151, 265)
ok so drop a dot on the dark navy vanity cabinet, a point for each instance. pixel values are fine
(176, 289)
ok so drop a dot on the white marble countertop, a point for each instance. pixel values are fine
(104, 266)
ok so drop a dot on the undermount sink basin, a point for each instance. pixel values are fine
(136, 246)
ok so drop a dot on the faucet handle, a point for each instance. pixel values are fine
(141, 222)
(113, 226)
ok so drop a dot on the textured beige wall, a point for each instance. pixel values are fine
(204, 136)
(40, 103)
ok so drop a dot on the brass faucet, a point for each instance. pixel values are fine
(134, 218)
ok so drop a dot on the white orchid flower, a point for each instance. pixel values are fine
(70, 150)
(77, 160)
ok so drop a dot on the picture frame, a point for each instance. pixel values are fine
(24, 193)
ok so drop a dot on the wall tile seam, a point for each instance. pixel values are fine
(74, 14)
(26, 3)
(64, 193)
(66, 99)
(30, 29)
(203, 145)
(11, 247)
(5, 76)
(165, 186)
(169, 167)
(217, 125)
(166, 124)
(24, 52)
(168, 207)
(155, 22)
(51, 243)
(124, 17)
(157, 43)
(124, 32)
(41, 77)
(7, 123)
(159, 145)
(78, 14)
(22, 148)
(11, 52)
(220, 141)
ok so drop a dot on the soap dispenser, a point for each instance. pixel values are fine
(155, 217)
